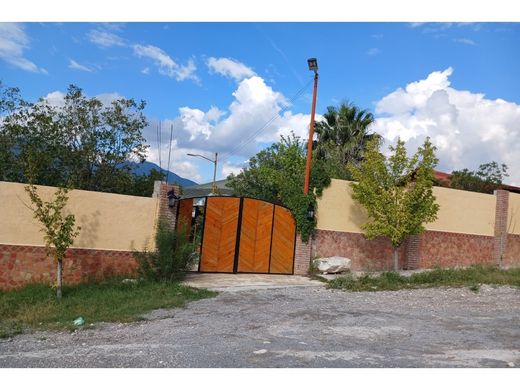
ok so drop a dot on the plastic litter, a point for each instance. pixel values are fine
(79, 321)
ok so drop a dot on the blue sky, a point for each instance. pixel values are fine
(218, 83)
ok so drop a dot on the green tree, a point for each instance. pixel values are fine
(10, 102)
(58, 229)
(342, 136)
(143, 184)
(396, 191)
(486, 179)
(276, 175)
(83, 143)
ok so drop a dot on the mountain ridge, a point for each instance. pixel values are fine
(144, 168)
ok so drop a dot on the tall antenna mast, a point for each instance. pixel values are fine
(169, 153)
(159, 130)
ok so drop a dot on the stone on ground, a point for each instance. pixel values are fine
(334, 264)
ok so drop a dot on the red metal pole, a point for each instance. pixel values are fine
(311, 135)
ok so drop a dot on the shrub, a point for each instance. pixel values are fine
(172, 256)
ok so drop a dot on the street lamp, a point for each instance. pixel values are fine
(214, 189)
(310, 212)
(313, 65)
(172, 198)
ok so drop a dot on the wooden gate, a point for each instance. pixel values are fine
(184, 215)
(247, 235)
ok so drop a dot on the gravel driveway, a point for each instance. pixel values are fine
(297, 327)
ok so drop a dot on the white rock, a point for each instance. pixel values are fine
(334, 264)
(260, 352)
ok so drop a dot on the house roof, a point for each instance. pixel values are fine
(446, 177)
(205, 189)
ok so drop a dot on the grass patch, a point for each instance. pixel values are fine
(36, 307)
(471, 277)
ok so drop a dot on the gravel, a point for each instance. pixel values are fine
(296, 327)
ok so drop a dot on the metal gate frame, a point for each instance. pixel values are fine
(238, 234)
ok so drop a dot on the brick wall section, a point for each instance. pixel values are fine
(21, 265)
(366, 255)
(166, 213)
(511, 256)
(412, 252)
(502, 199)
(445, 249)
(302, 256)
(430, 249)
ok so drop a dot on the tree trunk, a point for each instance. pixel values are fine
(396, 259)
(59, 279)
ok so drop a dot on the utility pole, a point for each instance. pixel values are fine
(313, 65)
(215, 162)
(214, 190)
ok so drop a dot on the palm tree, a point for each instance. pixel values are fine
(342, 136)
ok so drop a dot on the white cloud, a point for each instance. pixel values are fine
(109, 97)
(436, 27)
(230, 68)
(113, 26)
(57, 98)
(465, 41)
(195, 122)
(13, 42)
(467, 128)
(77, 66)
(186, 170)
(166, 65)
(230, 168)
(373, 51)
(257, 116)
(180, 162)
(105, 39)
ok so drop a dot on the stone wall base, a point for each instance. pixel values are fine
(21, 265)
(430, 249)
(511, 257)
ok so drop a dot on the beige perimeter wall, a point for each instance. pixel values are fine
(513, 220)
(459, 212)
(108, 221)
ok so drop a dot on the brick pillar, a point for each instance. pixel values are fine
(166, 212)
(502, 205)
(302, 256)
(412, 252)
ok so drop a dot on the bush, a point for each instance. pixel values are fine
(172, 256)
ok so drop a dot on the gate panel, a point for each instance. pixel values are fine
(255, 236)
(184, 214)
(284, 235)
(220, 234)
